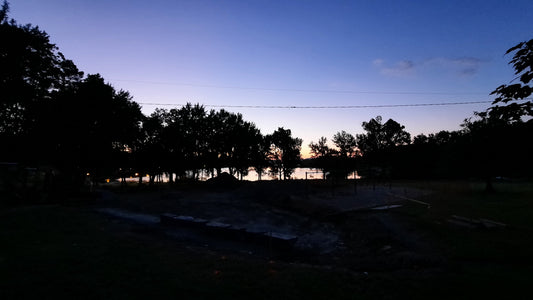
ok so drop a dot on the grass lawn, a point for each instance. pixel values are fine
(54, 251)
(486, 262)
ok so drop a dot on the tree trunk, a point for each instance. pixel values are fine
(489, 188)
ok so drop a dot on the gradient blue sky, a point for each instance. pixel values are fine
(295, 53)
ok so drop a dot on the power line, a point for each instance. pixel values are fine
(324, 107)
(296, 90)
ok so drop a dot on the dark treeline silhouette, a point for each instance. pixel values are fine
(367, 153)
(496, 142)
(186, 141)
(493, 143)
(74, 127)
(484, 148)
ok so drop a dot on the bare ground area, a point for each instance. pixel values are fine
(334, 226)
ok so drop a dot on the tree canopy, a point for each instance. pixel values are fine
(284, 152)
(515, 96)
(32, 70)
(345, 143)
(380, 136)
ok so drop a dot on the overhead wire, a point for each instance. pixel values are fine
(323, 107)
(312, 91)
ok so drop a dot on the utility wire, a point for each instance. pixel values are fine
(324, 107)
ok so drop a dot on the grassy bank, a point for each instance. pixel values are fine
(489, 263)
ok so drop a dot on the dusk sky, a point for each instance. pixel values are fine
(295, 53)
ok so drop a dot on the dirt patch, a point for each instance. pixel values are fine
(328, 222)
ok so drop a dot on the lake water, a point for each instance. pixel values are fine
(299, 173)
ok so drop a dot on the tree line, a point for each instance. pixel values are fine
(492, 143)
(183, 142)
(52, 115)
(485, 147)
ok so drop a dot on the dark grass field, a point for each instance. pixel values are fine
(60, 251)
(493, 263)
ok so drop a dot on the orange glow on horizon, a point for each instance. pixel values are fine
(305, 152)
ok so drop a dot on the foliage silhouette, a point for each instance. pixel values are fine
(517, 93)
(91, 128)
(379, 144)
(346, 144)
(381, 136)
(322, 155)
(284, 152)
(189, 140)
(338, 162)
(32, 71)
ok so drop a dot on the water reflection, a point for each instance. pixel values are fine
(299, 173)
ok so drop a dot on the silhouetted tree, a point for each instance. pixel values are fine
(32, 70)
(151, 149)
(500, 124)
(232, 142)
(194, 131)
(440, 155)
(483, 134)
(284, 152)
(498, 147)
(195, 141)
(320, 149)
(345, 143)
(180, 141)
(221, 149)
(515, 96)
(380, 136)
(260, 156)
(248, 144)
(322, 154)
(95, 127)
(421, 139)
(379, 142)
(347, 151)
